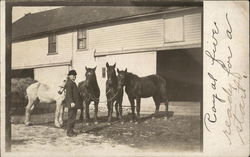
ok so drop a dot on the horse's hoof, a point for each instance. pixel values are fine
(146, 121)
(57, 125)
(136, 122)
(165, 118)
(153, 117)
(109, 123)
(87, 124)
(122, 123)
(95, 123)
(131, 121)
(28, 123)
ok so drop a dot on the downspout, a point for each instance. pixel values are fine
(72, 53)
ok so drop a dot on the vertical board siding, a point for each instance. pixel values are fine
(35, 52)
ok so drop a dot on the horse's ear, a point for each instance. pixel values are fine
(114, 65)
(86, 68)
(118, 70)
(107, 64)
(95, 68)
(126, 70)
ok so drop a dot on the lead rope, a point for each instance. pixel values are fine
(97, 99)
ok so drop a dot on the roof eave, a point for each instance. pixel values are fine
(26, 37)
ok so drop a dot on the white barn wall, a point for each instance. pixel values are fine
(51, 75)
(141, 64)
(34, 52)
(132, 35)
(146, 33)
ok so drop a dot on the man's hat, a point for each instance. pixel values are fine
(72, 72)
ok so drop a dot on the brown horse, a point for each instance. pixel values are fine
(89, 91)
(143, 87)
(43, 93)
(113, 94)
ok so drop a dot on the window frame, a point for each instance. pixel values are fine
(52, 42)
(83, 38)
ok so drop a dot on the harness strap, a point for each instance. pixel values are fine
(98, 99)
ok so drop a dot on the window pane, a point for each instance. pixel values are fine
(52, 48)
(81, 34)
(52, 38)
(82, 43)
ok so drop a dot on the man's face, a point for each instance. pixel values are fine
(72, 77)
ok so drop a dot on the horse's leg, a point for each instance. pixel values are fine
(120, 99)
(81, 115)
(138, 107)
(157, 106)
(96, 112)
(87, 117)
(57, 113)
(83, 112)
(166, 108)
(110, 104)
(132, 103)
(116, 109)
(165, 100)
(61, 115)
(28, 112)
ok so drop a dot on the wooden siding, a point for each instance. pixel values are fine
(51, 75)
(34, 53)
(142, 34)
(145, 34)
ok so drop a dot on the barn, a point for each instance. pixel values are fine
(145, 40)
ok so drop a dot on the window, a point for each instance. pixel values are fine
(81, 39)
(174, 29)
(103, 72)
(52, 44)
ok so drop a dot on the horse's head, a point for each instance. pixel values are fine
(121, 78)
(62, 86)
(110, 72)
(90, 75)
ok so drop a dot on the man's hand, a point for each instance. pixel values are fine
(72, 105)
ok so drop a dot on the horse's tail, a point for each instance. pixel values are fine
(163, 89)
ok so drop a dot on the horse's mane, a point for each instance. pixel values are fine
(131, 76)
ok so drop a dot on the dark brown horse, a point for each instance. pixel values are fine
(143, 87)
(89, 91)
(113, 94)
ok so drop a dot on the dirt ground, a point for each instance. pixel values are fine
(177, 133)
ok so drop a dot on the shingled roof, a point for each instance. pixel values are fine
(73, 16)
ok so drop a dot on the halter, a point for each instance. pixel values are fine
(98, 99)
(62, 89)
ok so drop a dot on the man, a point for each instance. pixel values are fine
(72, 102)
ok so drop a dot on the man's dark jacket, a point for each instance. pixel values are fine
(72, 94)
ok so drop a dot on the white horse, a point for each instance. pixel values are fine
(43, 93)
